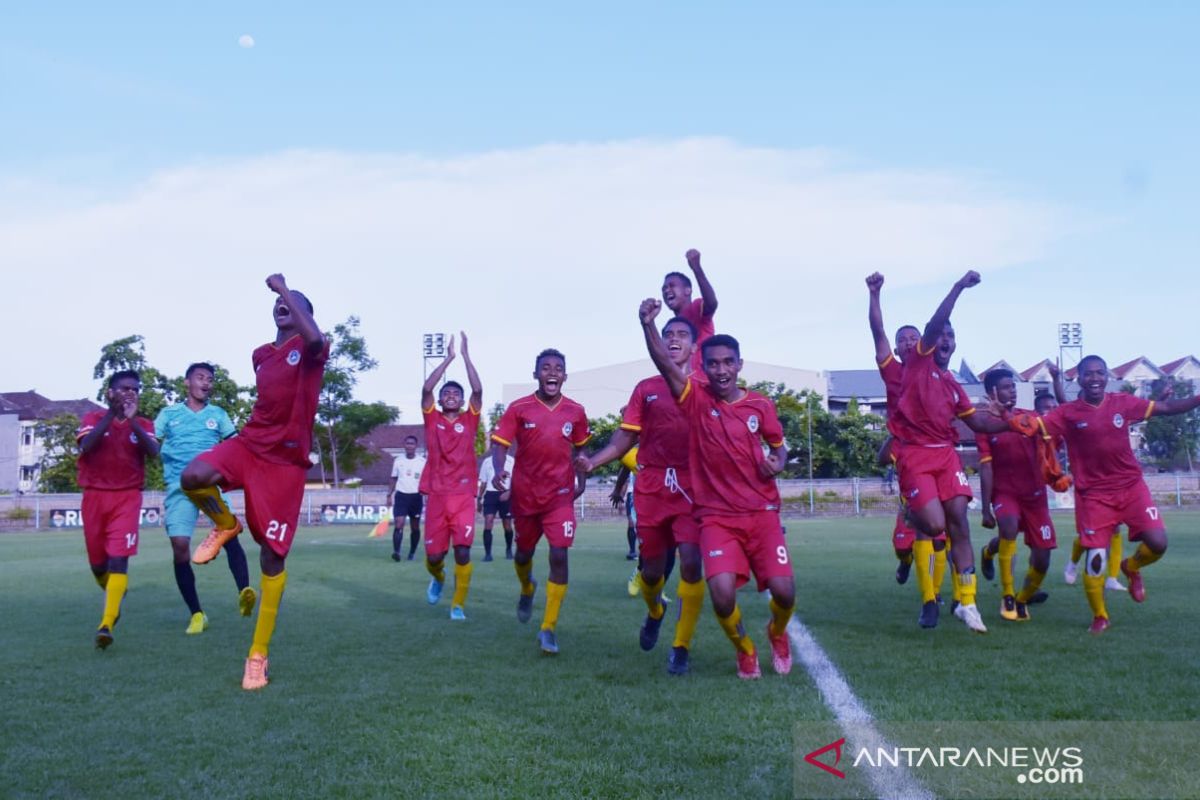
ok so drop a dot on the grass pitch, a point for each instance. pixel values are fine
(375, 693)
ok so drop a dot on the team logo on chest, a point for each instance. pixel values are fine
(211, 424)
(293, 358)
(133, 438)
(752, 423)
(1118, 421)
(567, 428)
(458, 427)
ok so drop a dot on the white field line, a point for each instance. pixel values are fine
(889, 783)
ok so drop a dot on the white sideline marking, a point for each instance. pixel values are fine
(889, 783)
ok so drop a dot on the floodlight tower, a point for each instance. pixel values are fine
(1070, 344)
(433, 348)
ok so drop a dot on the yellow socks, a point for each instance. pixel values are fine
(438, 571)
(1093, 587)
(966, 588)
(1077, 549)
(923, 560)
(1033, 582)
(210, 501)
(114, 592)
(1142, 557)
(268, 610)
(555, 592)
(1115, 553)
(779, 617)
(101, 579)
(1008, 552)
(462, 583)
(732, 625)
(691, 599)
(650, 595)
(524, 571)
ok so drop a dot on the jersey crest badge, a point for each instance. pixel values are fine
(752, 423)
(458, 427)
(293, 358)
(567, 428)
(1118, 421)
(132, 437)
(211, 424)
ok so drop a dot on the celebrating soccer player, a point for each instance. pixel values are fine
(405, 490)
(113, 446)
(449, 478)
(735, 495)
(677, 294)
(662, 496)
(268, 459)
(186, 430)
(547, 428)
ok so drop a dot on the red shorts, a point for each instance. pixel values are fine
(556, 524)
(1032, 513)
(449, 519)
(902, 535)
(1097, 515)
(931, 473)
(110, 523)
(274, 492)
(744, 544)
(664, 518)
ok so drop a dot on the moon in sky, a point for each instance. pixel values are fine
(246, 40)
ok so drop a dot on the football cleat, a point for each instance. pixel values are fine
(198, 624)
(246, 600)
(1008, 608)
(548, 642)
(1099, 625)
(434, 592)
(525, 604)
(902, 571)
(210, 548)
(648, 635)
(395, 556)
(487, 557)
(1023, 614)
(970, 617)
(1070, 573)
(1137, 589)
(457, 614)
(988, 566)
(929, 615)
(255, 675)
(1114, 585)
(781, 652)
(747, 666)
(677, 662)
(635, 585)
(104, 638)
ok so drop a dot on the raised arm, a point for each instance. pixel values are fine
(145, 439)
(1056, 378)
(883, 347)
(706, 290)
(1180, 405)
(434, 377)
(92, 438)
(476, 401)
(937, 323)
(675, 377)
(314, 340)
(622, 442)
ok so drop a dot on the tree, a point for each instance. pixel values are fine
(342, 420)
(1172, 440)
(602, 429)
(58, 471)
(842, 445)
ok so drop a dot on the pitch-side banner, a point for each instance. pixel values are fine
(72, 518)
(354, 514)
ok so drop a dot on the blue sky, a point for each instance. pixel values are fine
(1082, 115)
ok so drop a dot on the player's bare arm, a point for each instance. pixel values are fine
(581, 475)
(773, 463)
(299, 319)
(499, 454)
(145, 439)
(1056, 378)
(883, 347)
(96, 434)
(675, 377)
(622, 442)
(937, 323)
(987, 478)
(884, 457)
(435, 377)
(618, 493)
(476, 401)
(707, 294)
(1180, 405)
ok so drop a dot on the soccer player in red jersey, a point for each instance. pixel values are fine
(677, 294)
(931, 475)
(113, 446)
(662, 496)
(547, 428)
(1014, 500)
(736, 498)
(448, 480)
(268, 459)
(1109, 487)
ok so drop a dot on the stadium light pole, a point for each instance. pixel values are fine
(433, 348)
(811, 501)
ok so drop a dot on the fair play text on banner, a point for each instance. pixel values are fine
(351, 514)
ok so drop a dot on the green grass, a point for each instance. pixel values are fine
(376, 694)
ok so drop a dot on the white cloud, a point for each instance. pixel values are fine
(246, 41)
(546, 246)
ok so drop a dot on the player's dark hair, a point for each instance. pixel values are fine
(411, 436)
(993, 378)
(904, 328)
(1039, 401)
(304, 297)
(549, 352)
(454, 384)
(684, 278)
(1085, 359)
(125, 373)
(680, 320)
(200, 365)
(720, 340)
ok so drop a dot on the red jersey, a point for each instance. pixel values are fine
(543, 475)
(662, 430)
(930, 399)
(288, 379)
(892, 372)
(1016, 470)
(1098, 440)
(117, 462)
(725, 447)
(451, 446)
(693, 312)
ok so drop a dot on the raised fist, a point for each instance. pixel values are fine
(649, 310)
(276, 283)
(970, 279)
(874, 282)
(693, 258)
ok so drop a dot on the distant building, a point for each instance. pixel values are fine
(29, 408)
(386, 443)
